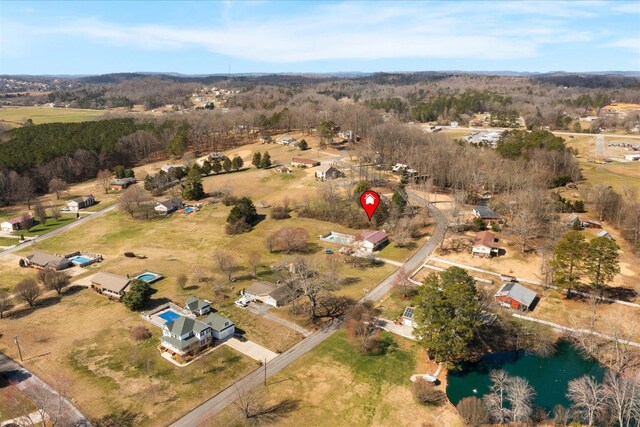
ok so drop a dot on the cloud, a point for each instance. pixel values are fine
(354, 30)
(627, 8)
(626, 43)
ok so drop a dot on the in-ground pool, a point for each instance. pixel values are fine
(149, 277)
(81, 260)
(342, 239)
(169, 316)
(188, 210)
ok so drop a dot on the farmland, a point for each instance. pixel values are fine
(16, 116)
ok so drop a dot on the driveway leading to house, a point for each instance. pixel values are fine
(251, 349)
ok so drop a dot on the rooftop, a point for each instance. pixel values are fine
(517, 292)
(485, 238)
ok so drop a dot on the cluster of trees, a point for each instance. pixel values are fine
(30, 290)
(615, 401)
(448, 315)
(574, 257)
(261, 161)
(138, 295)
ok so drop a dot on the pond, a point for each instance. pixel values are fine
(549, 376)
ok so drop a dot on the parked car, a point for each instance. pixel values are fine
(243, 302)
(328, 251)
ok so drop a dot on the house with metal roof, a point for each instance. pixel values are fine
(44, 260)
(373, 240)
(515, 296)
(109, 284)
(270, 293)
(327, 172)
(74, 205)
(185, 335)
(485, 245)
(21, 222)
(197, 306)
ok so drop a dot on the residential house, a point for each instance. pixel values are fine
(515, 296)
(44, 260)
(486, 214)
(22, 222)
(632, 157)
(189, 336)
(371, 240)
(408, 317)
(112, 285)
(265, 140)
(121, 183)
(484, 244)
(283, 169)
(327, 173)
(287, 140)
(269, 293)
(346, 135)
(74, 205)
(164, 207)
(168, 168)
(299, 162)
(605, 233)
(216, 155)
(197, 306)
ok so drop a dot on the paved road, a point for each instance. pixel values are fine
(25, 380)
(67, 227)
(230, 394)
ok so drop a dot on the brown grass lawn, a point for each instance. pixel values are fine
(334, 385)
(86, 338)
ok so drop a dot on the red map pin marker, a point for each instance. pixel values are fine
(369, 200)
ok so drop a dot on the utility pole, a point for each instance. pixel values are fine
(18, 344)
(265, 371)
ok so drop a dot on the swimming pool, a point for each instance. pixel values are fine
(149, 276)
(81, 260)
(188, 210)
(342, 239)
(169, 316)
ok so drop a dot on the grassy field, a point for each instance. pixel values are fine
(50, 225)
(40, 115)
(334, 385)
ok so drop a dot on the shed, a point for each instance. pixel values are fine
(515, 296)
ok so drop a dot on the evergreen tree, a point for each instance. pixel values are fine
(193, 189)
(257, 157)
(602, 263)
(118, 171)
(448, 314)
(399, 199)
(266, 160)
(241, 216)
(206, 167)
(226, 165)
(137, 296)
(302, 144)
(568, 259)
(361, 187)
(237, 162)
(216, 167)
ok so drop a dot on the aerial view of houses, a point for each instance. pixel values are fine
(320, 214)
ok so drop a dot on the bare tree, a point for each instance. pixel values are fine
(50, 405)
(496, 398)
(181, 280)
(198, 273)
(24, 190)
(104, 179)
(40, 213)
(622, 398)
(133, 200)
(520, 395)
(54, 280)
(361, 328)
(5, 303)
(225, 262)
(254, 260)
(588, 398)
(28, 290)
(58, 186)
(402, 284)
(55, 212)
(602, 197)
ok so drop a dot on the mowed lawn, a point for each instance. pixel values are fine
(334, 385)
(40, 115)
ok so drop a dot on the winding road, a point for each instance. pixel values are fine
(227, 396)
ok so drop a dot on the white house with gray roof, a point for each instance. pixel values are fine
(189, 336)
(197, 306)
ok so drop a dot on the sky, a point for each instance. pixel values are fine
(93, 37)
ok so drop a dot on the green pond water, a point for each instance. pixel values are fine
(549, 376)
